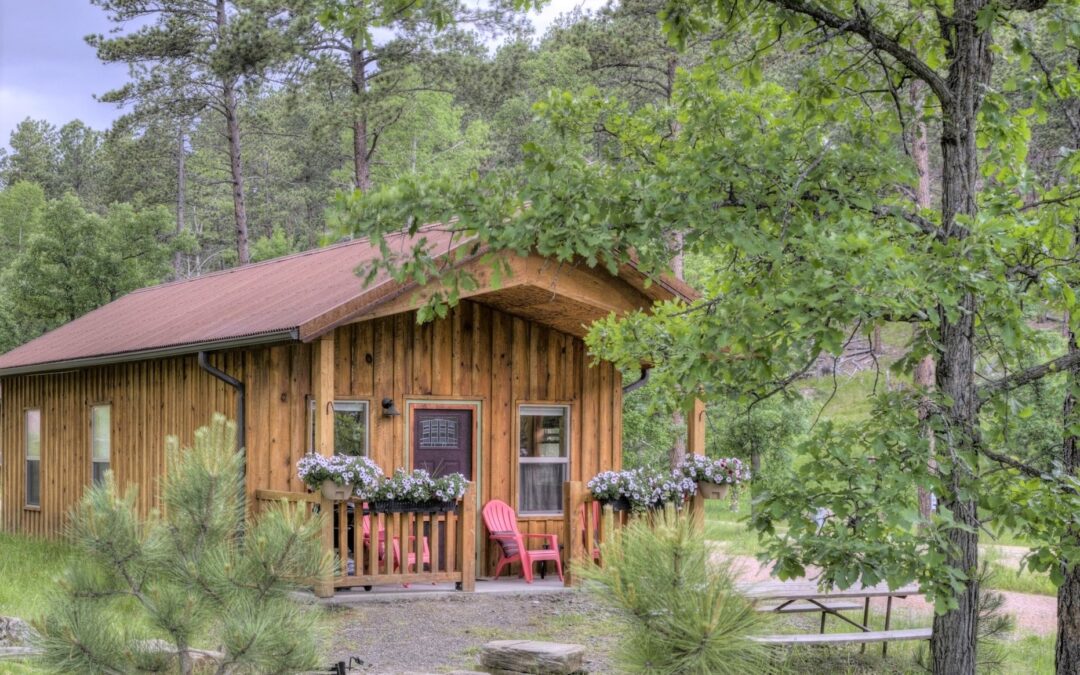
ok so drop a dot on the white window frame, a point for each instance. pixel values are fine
(26, 456)
(94, 437)
(538, 409)
(355, 405)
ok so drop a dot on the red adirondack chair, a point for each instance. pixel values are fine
(596, 529)
(501, 522)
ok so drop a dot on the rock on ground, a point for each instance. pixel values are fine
(532, 656)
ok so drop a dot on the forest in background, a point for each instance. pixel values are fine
(87, 215)
(294, 103)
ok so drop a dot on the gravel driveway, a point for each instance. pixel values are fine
(431, 635)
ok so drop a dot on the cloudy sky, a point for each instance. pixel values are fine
(48, 71)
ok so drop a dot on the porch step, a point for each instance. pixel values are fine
(510, 657)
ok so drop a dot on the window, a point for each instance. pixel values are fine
(33, 458)
(100, 441)
(351, 428)
(543, 458)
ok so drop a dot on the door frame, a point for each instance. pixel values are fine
(449, 403)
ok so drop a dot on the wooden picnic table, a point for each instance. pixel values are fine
(785, 593)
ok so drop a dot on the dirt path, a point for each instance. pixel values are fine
(1035, 614)
(442, 634)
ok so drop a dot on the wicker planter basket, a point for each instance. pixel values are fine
(712, 490)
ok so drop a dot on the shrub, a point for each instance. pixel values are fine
(143, 592)
(682, 615)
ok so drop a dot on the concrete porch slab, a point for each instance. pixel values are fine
(418, 591)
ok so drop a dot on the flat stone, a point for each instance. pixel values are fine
(533, 657)
(18, 652)
(14, 632)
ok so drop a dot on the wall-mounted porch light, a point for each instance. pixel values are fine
(389, 409)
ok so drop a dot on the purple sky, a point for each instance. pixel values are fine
(48, 71)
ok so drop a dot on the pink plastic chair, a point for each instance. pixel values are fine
(501, 522)
(411, 563)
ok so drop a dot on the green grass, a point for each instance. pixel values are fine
(727, 526)
(1007, 577)
(28, 569)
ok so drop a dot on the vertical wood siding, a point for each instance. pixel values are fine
(481, 354)
(477, 354)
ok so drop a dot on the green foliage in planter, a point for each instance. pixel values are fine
(143, 592)
(681, 614)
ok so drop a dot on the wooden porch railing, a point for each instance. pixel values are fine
(372, 549)
(577, 500)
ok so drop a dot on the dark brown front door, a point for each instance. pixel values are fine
(442, 441)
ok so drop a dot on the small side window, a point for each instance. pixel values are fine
(33, 458)
(101, 441)
(351, 428)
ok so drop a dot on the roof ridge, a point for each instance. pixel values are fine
(261, 263)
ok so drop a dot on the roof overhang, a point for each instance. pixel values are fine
(565, 296)
(290, 334)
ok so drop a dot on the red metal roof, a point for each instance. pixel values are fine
(262, 300)
(294, 297)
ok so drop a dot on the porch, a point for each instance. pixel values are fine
(391, 556)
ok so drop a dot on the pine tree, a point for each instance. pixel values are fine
(145, 591)
(682, 614)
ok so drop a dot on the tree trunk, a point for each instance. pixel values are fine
(361, 163)
(181, 196)
(678, 420)
(924, 372)
(1067, 649)
(953, 645)
(236, 167)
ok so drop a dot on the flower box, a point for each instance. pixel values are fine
(710, 490)
(401, 506)
(331, 490)
(620, 504)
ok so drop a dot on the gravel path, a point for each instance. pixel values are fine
(441, 634)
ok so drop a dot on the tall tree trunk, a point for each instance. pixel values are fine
(236, 166)
(678, 420)
(361, 159)
(181, 195)
(953, 645)
(924, 371)
(1067, 651)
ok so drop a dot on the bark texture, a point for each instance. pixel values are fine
(1067, 649)
(232, 132)
(181, 196)
(953, 646)
(361, 164)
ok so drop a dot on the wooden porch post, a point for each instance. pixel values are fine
(695, 445)
(573, 498)
(467, 551)
(322, 390)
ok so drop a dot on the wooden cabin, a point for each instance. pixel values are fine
(298, 347)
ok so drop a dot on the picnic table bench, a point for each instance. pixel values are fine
(805, 596)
